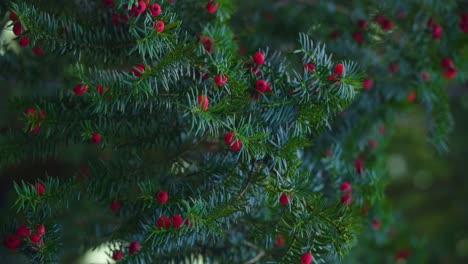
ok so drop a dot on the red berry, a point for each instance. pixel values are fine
(138, 70)
(211, 7)
(96, 138)
(177, 220)
(367, 83)
(40, 189)
(115, 205)
(362, 23)
(359, 165)
(220, 79)
(284, 199)
(140, 8)
(40, 230)
(163, 222)
(13, 16)
(207, 43)
(386, 24)
(346, 199)
(23, 231)
(358, 36)
(80, 89)
(450, 73)
(382, 130)
(338, 69)
(117, 255)
(34, 238)
(155, 10)
(108, 2)
(203, 102)
(345, 187)
(133, 247)
(12, 242)
(100, 90)
(411, 96)
(17, 29)
(309, 67)
(279, 241)
(162, 197)
(436, 31)
(262, 86)
(23, 41)
(447, 63)
(429, 22)
(425, 76)
(258, 58)
(372, 143)
(38, 51)
(159, 26)
(376, 224)
(393, 67)
(402, 253)
(306, 258)
(234, 144)
(30, 111)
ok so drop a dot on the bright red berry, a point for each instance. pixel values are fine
(447, 63)
(40, 230)
(234, 144)
(386, 24)
(306, 258)
(12, 242)
(177, 220)
(358, 36)
(80, 89)
(38, 51)
(35, 238)
(338, 69)
(163, 222)
(279, 240)
(96, 138)
(359, 165)
(450, 73)
(115, 205)
(138, 70)
(117, 255)
(23, 231)
(346, 199)
(284, 198)
(100, 90)
(133, 247)
(262, 86)
(155, 10)
(211, 7)
(159, 26)
(220, 79)
(345, 187)
(436, 31)
(139, 8)
(13, 16)
(203, 102)
(40, 189)
(162, 197)
(17, 29)
(258, 58)
(309, 67)
(367, 83)
(23, 41)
